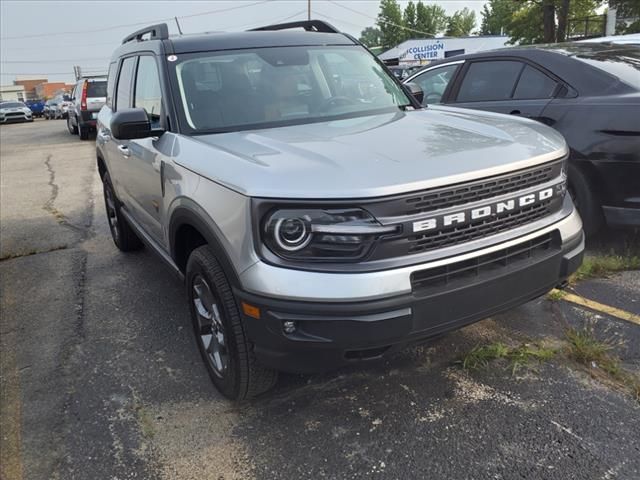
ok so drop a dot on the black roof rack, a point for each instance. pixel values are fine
(157, 32)
(308, 25)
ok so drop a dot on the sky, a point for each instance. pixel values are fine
(47, 38)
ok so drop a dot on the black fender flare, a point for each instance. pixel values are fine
(190, 213)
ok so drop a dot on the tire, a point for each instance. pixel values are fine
(73, 129)
(219, 330)
(586, 201)
(83, 132)
(121, 232)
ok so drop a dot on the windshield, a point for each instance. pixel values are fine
(12, 105)
(259, 88)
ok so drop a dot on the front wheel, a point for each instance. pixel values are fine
(219, 330)
(586, 201)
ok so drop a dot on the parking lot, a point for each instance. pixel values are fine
(102, 378)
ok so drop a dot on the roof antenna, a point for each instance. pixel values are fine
(178, 24)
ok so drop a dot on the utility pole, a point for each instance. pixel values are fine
(308, 9)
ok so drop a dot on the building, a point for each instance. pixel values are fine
(29, 84)
(51, 89)
(12, 93)
(425, 50)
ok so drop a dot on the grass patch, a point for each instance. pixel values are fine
(585, 347)
(597, 356)
(603, 265)
(481, 355)
(556, 295)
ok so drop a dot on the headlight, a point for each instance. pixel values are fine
(322, 234)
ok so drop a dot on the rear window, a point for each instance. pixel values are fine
(489, 80)
(534, 84)
(97, 89)
(623, 64)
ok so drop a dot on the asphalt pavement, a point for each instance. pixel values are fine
(101, 377)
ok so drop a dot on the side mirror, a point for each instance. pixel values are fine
(415, 90)
(132, 123)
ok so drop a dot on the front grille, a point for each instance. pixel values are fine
(436, 199)
(489, 264)
(14, 114)
(479, 229)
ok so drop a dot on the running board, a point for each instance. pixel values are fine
(152, 244)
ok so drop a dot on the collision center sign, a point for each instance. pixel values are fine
(424, 50)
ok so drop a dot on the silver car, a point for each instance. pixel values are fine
(15, 112)
(316, 212)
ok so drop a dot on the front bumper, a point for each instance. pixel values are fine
(26, 117)
(330, 334)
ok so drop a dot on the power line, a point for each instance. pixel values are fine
(37, 73)
(266, 22)
(62, 45)
(106, 60)
(381, 21)
(149, 22)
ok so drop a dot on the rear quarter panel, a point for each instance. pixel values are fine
(603, 134)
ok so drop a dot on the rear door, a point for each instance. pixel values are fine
(509, 86)
(96, 94)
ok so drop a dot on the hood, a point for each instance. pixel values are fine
(370, 156)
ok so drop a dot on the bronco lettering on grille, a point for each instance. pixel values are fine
(490, 210)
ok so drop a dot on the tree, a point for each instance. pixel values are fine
(410, 17)
(526, 26)
(430, 19)
(535, 21)
(390, 23)
(548, 21)
(371, 37)
(496, 16)
(461, 23)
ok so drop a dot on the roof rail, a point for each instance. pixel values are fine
(308, 25)
(157, 32)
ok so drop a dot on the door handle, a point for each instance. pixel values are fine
(124, 150)
(514, 112)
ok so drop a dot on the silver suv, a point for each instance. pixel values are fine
(317, 214)
(87, 98)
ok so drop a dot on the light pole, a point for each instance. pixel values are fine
(308, 9)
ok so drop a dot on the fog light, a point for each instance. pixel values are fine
(289, 326)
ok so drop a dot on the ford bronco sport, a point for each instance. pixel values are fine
(317, 214)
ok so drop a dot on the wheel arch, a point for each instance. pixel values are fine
(189, 228)
(101, 164)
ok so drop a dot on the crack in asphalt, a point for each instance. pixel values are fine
(49, 204)
(11, 256)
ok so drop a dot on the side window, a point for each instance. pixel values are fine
(76, 92)
(486, 81)
(534, 84)
(434, 83)
(111, 83)
(123, 93)
(148, 94)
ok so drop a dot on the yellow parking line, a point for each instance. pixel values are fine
(602, 308)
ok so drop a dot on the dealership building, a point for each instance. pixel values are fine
(425, 50)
